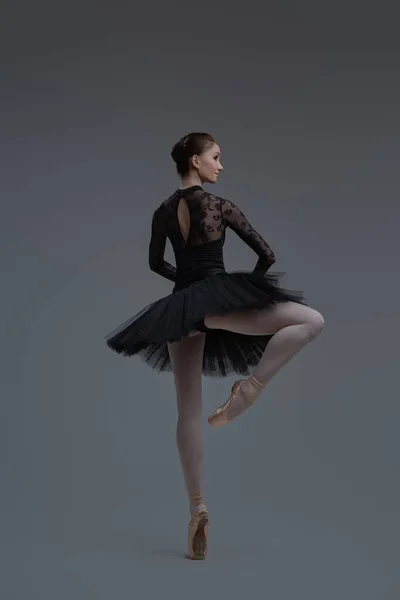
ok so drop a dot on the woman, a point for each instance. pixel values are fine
(213, 322)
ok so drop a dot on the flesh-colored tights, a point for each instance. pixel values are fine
(293, 325)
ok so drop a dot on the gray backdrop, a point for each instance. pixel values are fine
(303, 490)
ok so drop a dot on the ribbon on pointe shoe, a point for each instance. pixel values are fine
(257, 385)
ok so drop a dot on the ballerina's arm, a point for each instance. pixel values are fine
(157, 248)
(237, 221)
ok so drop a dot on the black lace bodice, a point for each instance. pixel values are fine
(207, 217)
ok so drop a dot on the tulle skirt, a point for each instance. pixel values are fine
(173, 317)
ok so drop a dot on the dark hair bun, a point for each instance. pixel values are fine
(188, 146)
(178, 151)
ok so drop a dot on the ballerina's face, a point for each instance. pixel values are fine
(208, 164)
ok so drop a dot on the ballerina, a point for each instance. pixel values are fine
(214, 322)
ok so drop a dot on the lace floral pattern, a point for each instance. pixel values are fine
(237, 221)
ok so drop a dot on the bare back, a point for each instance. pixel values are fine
(199, 217)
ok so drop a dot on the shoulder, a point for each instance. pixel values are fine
(228, 207)
(223, 202)
(163, 207)
(162, 213)
(158, 217)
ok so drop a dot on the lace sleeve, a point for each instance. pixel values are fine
(236, 220)
(157, 248)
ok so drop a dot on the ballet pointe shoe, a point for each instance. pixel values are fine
(220, 416)
(198, 532)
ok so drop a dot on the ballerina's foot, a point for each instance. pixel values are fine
(243, 395)
(198, 528)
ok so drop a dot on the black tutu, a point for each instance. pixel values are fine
(174, 316)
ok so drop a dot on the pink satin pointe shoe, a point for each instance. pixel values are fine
(198, 532)
(220, 416)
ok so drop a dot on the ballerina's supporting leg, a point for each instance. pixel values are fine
(187, 364)
(293, 326)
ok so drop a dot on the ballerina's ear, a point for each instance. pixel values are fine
(195, 161)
